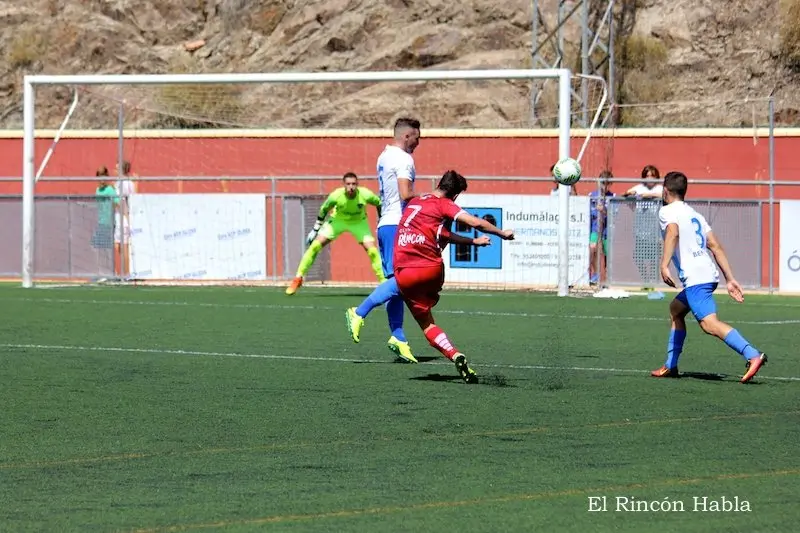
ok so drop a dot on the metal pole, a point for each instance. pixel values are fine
(28, 183)
(771, 191)
(585, 63)
(560, 34)
(612, 208)
(564, 100)
(285, 219)
(274, 238)
(69, 237)
(534, 40)
(760, 225)
(123, 201)
(611, 43)
(297, 77)
(534, 31)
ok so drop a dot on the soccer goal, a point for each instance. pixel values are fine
(217, 178)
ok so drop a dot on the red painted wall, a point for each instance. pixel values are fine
(714, 158)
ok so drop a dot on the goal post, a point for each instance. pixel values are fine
(30, 84)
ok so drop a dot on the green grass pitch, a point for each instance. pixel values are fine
(242, 409)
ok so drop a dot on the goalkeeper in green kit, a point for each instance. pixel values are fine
(349, 205)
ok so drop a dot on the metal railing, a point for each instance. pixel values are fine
(747, 226)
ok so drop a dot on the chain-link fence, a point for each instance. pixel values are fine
(74, 237)
(299, 215)
(635, 241)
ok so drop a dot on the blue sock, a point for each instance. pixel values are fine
(396, 308)
(735, 340)
(675, 347)
(379, 296)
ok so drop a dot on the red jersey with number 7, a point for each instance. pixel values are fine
(421, 234)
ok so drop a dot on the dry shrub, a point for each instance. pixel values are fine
(789, 32)
(26, 48)
(643, 59)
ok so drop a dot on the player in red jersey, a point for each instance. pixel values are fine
(418, 266)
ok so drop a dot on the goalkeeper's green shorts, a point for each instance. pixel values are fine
(360, 230)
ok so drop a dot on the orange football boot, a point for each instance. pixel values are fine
(665, 372)
(753, 365)
(296, 284)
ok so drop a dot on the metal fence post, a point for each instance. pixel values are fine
(124, 267)
(771, 192)
(274, 238)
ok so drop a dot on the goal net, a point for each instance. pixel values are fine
(220, 177)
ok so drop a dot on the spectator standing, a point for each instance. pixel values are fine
(598, 227)
(647, 233)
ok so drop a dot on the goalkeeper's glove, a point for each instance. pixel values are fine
(313, 233)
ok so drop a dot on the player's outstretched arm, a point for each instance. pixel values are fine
(670, 243)
(715, 247)
(455, 238)
(485, 226)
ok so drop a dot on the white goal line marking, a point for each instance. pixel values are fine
(42, 347)
(520, 314)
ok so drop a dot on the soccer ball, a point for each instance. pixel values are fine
(567, 171)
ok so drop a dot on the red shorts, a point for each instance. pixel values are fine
(420, 287)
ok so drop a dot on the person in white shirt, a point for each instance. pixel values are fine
(396, 175)
(126, 188)
(647, 240)
(690, 244)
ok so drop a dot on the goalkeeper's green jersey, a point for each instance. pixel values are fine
(349, 209)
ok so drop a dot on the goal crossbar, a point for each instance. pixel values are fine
(30, 82)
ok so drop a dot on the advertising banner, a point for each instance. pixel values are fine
(198, 236)
(789, 280)
(530, 259)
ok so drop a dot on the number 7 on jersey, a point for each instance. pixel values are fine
(415, 211)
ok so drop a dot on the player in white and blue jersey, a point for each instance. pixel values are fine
(690, 244)
(396, 174)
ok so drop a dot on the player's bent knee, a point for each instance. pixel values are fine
(677, 309)
(711, 325)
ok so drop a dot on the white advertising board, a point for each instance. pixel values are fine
(532, 258)
(198, 236)
(789, 260)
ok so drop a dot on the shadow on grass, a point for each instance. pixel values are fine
(397, 361)
(705, 376)
(424, 359)
(709, 376)
(491, 380)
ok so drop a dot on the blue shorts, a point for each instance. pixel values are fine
(386, 247)
(699, 299)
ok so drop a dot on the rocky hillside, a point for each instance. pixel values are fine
(713, 65)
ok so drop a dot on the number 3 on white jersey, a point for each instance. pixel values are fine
(380, 181)
(698, 230)
(416, 209)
